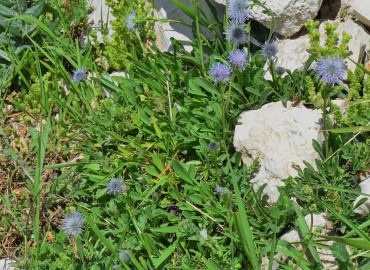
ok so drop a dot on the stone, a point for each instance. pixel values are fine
(319, 225)
(165, 9)
(318, 222)
(281, 138)
(290, 15)
(363, 209)
(361, 9)
(357, 46)
(6, 264)
(292, 55)
(100, 18)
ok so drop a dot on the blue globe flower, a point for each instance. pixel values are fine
(221, 190)
(212, 146)
(131, 24)
(239, 11)
(331, 70)
(79, 75)
(73, 223)
(115, 186)
(124, 255)
(238, 58)
(236, 34)
(220, 72)
(270, 50)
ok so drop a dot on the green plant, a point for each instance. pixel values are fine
(15, 33)
(121, 46)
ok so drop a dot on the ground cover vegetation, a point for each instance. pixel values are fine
(139, 172)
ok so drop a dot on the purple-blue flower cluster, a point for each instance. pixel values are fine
(239, 10)
(220, 72)
(73, 223)
(115, 186)
(130, 22)
(270, 50)
(79, 75)
(238, 58)
(221, 190)
(237, 34)
(331, 70)
(212, 146)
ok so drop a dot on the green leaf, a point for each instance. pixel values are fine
(182, 172)
(339, 252)
(350, 129)
(165, 254)
(211, 264)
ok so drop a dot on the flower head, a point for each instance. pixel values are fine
(238, 58)
(79, 75)
(212, 146)
(73, 223)
(270, 50)
(124, 255)
(203, 234)
(115, 186)
(221, 190)
(236, 34)
(131, 24)
(220, 72)
(331, 70)
(239, 11)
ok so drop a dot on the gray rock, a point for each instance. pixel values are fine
(164, 9)
(290, 15)
(364, 208)
(6, 264)
(361, 9)
(280, 137)
(292, 54)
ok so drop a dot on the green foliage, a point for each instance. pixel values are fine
(123, 40)
(357, 106)
(152, 128)
(331, 46)
(14, 33)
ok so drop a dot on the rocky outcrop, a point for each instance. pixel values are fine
(289, 15)
(361, 9)
(281, 138)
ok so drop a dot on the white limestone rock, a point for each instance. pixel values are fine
(165, 9)
(6, 264)
(292, 55)
(361, 9)
(364, 209)
(290, 15)
(357, 46)
(279, 137)
(100, 18)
